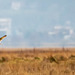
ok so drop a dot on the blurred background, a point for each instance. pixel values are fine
(37, 23)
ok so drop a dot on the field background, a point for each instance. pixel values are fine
(37, 61)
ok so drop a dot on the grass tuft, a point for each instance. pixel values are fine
(37, 58)
(2, 59)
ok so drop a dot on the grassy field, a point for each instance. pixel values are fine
(37, 61)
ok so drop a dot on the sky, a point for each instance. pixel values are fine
(37, 23)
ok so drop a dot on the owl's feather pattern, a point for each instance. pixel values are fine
(2, 37)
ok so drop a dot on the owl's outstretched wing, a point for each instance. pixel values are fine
(2, 37)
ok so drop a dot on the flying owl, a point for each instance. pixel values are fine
(2, 37)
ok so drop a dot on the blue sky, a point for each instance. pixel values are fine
(36, 23)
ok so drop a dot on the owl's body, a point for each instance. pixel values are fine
(2, 38)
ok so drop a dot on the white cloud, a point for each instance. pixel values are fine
(68, 27)
(67, 37)
(5, 25)
(52, 33)
(58, 27)
(16, 5)
(68, 22)
(71, 31)
(5, 19)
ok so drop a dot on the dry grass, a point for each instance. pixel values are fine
(37, 61)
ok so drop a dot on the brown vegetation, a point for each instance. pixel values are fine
(37, 61)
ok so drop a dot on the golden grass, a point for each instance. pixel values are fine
(37, 61)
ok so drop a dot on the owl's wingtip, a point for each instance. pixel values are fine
(5, 35)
